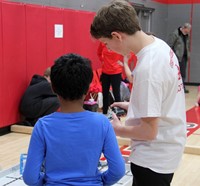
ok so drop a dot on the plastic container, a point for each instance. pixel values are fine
(23, 158)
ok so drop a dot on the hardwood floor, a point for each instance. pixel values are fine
(190, 99)
(188, 172)
(13, 144)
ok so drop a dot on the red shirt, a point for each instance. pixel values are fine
(109, 59)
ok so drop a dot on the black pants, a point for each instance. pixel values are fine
(45, 107)
(183, 67)
(146, 177)
(115, 81)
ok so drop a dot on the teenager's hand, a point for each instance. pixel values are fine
(116, 123)
(123, 105)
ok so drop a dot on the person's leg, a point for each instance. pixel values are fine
(183, 67)
(105, 82)
(31, 113)
(115, 83)
(49, 105)
(146, 177)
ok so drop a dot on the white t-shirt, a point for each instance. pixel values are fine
(158, 92)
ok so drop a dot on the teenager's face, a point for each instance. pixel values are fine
(111, 44)
(116, 44)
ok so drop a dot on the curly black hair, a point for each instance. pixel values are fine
(71, 76)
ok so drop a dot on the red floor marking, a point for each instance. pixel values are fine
(193, 118)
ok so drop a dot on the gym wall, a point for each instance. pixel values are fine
(167, 16)
(28, 46)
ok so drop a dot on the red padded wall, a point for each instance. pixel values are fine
(1, 68)
(36, 40)
(55, 46)
(14, 59)
(28, 46)
(77, 35)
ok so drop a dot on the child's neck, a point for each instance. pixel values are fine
(71, 106)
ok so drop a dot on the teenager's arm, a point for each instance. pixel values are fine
(146, 130)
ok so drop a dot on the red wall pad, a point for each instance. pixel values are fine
(1, 69)
(28, 46)
(77, 35)
(36, 40)
(14, 59)
(55, 46)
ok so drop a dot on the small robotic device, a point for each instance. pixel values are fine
(118, 111)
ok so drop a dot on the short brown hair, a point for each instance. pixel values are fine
(119, 16)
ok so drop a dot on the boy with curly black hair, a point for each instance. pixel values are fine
(70, 142)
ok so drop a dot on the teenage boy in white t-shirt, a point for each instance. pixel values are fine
(156, 121)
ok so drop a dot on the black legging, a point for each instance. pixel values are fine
(108, 80)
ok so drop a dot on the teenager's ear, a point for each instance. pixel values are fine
(116, 35)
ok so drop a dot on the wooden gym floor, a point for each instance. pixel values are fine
(15, 143)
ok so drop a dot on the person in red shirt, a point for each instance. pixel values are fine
(111, 74)
(129, 63)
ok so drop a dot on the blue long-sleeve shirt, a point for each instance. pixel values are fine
(70, 146)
